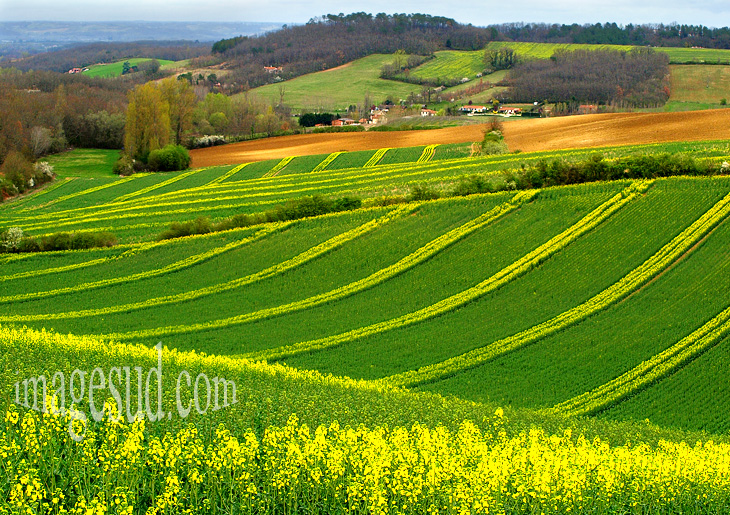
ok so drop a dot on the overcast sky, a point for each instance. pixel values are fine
(713, 13)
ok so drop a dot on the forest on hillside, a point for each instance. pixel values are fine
(657, 35)
(333, 40)
(638, 78)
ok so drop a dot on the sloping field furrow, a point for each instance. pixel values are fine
(142, 191)
(603, 347)
(94, 189)
(695, 396)
(327, 161)
(351, 160)
(527, 136)
(402, 171)
(172, 267)
(649, 371)
(413, 259)
(377, 156)
(279, 167)
(279, 268)
(580, 271)
(519, 267)
(230, 173)
(651, 268)
(428, 153)
(447, 273)
(340, 266)
(32, 197)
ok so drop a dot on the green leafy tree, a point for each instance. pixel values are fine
(148, 121)
(181, 100)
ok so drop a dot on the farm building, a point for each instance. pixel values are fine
(474, 109)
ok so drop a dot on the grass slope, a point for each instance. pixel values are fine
(115, 69)
(338, 88)
(356, 293)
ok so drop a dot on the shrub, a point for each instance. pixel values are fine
(200, 225)
(18, 172)
(422, 192)
(169, 159)
(208, 141)
(124, 165)
(10, 239)
(472, 185)
(14, 241)
(293, 210)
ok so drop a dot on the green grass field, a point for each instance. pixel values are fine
(594, 316)
(698, 84)
(115, 69)
(84, 162)
(338, 88)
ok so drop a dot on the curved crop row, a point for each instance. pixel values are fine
(271, 271)
(171, 180)
(93, 190)
(134, 249)
(376, 158)
(630, 283)
(507, 274)
(254, 188)
(427, 154)
(279, 166)
(649, 371)
(172, 267)
(230, 173)
(327, 160)
(47, 189)
(420, 255)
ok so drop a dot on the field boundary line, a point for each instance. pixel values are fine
(420, 255)
(172, 267)
(171, 180)
(278, 167)
(650, 371)
(230, 173)
(272, 271)
(375, 159)
(35, 194)
(494, 282)
(91, 190)
(635, 279)
(326, 162)
(427, 154)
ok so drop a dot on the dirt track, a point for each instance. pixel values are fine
(526, 135)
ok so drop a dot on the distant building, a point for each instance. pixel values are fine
(428, 112)
(587, 109)
(273, 69)
(473, 109)
(75, 70)
(510, 111)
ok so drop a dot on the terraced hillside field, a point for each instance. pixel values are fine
(518, 339)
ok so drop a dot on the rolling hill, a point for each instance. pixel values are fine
(499, 334)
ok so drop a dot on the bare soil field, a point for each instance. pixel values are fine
(526, 135)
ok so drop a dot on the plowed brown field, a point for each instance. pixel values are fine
(526, 135)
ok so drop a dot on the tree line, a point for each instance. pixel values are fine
(637, 78)
(659, 35)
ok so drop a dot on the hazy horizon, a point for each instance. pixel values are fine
(623, 12)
